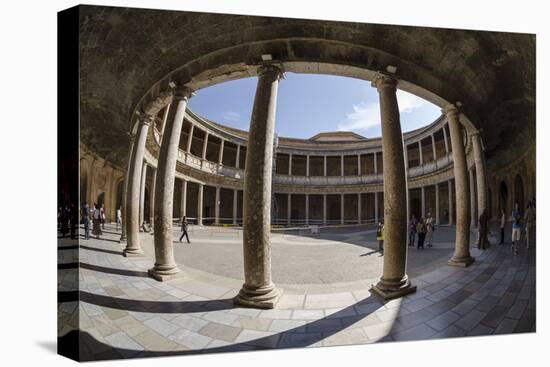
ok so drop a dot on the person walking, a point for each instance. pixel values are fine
(502, 224)
(184, 229)
(96, 219)
(102, 216)
(412, 229)
(86, 220)
(516, 228)
(421, 230)
(483, 227)
(118, 218)
(429, 230)
(529, 224)
(380, 236)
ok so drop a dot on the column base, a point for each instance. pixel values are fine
(164, 272)
(263, 297)
(388, 290)
(122, 240)
(132, 252)
(462, 262)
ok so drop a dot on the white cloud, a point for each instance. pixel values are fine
(366, 114)
(231, 116)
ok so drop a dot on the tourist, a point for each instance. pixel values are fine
(118, 218)
(86, 220)
(102, 216)
(483, 227)
(516, 228)
(529, 223)
(412, 230)
(502, 224)
(380, 236)
(184, 229)
(97, 222)
(429, 230)
(421, 230)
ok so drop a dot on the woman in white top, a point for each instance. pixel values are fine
(429, 230)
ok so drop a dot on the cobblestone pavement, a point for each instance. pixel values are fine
(123, 313)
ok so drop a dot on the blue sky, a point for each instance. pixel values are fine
(308, 104)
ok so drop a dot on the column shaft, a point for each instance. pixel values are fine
(142, 196)
(217, 207)
(190, 138)
(434, 151)
(289, 209)
(461, 256)
(220, 157)
(342, 211)
(238, 156)
(290, 164)
(359, 209)
(258, 289)
(133, 247)
(183, 204)
(307, 209)
(307, 165)
(325, 166)
(165, 266)
(420, 152)
(423, 201)
(152, 198)
(394, 282)
(200, 199)
(205, 145)
(342, 172)
(123, 226)
(481, 173)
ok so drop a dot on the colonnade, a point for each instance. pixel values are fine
(258, 289)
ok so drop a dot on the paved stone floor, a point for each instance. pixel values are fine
(124, 313)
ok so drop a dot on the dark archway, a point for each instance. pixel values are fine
(100, 199)
(519, 196)
(503, 197)
(119, 192)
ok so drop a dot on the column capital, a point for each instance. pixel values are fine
(145, 118)
(181, 91)
(383, 81)
(271, 69)
(131, 136)
(450, 110)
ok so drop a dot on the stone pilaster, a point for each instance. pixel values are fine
(258, 289)
(165, 266)
(461, 256)
(481, 172)
(133, 247)
(394, 282)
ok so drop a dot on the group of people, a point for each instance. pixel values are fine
(97, 214)
(424, 228)
(525, 221)
(67, 220)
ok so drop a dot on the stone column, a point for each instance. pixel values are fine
(307, 209)
(325, 209)
(152, 198)
(450, 186)
(342, 211)
(235, 203)
(445, 140)
(307, 165)
(358, 164)
(394, 282)
(473, 215)
(123, 237)
(436, 204)
(183, 204)
(289, 209)
(434, 151)
(325, 166)
(205, 145)
(481, 175)
(190, 138)
(461, 256)
(220, 157)
(420, 155)
(199, 204)
(423, 201)
(290, 164)
(217, 207)
(142, 196)
(165, 266)
(258, 289)
(133, 247)
(359, 208)
(342, 173)
(238, 156)
(375, 164)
